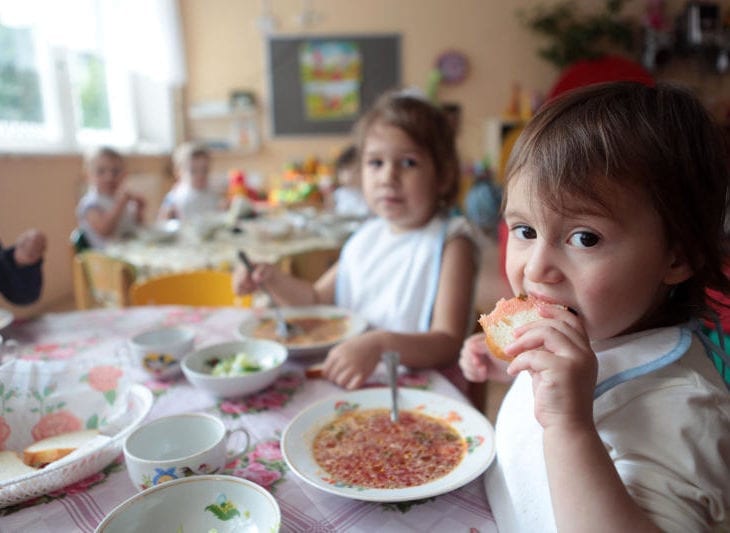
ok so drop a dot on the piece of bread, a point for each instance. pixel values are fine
(314, 371)
(45, 451)
(504, 318)
(11, 465)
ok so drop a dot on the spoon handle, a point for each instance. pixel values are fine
(392, 360)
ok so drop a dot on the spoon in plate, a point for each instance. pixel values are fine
(391, 360)
(284, 329)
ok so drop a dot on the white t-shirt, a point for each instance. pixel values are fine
(663, 413)
(350, 201)
(93, 200)
(391, 279)
(190, 203)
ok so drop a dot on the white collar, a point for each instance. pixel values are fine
(629, 356)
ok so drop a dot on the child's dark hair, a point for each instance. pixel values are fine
(188, 151)
(93, 154)
(661, 142)
(347, 157)
(426, 125)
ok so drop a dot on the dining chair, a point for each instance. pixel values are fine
(100, 280)
(310, 265)
(208, 288)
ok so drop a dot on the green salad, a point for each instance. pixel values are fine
(234, 365)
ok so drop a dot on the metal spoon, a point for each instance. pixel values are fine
(284, 329)
(391, 360)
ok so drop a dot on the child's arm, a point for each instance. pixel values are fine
(586, 491)
(105, 222)
(352, 362)
(285, 289)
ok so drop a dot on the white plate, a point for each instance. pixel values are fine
(355, 326)
(297, 439)
(58, 475)
(6, 317)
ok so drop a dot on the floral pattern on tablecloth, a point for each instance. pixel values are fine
(75, 488)
(263, 465)
(275, 396)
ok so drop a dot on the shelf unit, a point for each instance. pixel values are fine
(227, 129)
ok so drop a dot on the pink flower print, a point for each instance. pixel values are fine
(104, 378)
(55, 424)
(80, 486)
(5, 432)
(232, 408)
(267, 400)
(267, 451)
(289, 381)
(258, 473)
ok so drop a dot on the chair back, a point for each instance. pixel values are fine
(310, 265)
(211, 288)
(100, 280)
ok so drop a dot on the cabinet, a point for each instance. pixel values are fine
(221, 127)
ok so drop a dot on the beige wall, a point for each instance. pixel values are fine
(225, 51)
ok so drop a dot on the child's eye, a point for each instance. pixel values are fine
(584, 239)
(409, 162)
(375, 163)
(525, 232)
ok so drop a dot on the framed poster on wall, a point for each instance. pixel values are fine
(320, 84)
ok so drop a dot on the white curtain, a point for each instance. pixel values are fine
(140, 36)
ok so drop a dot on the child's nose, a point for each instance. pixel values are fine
(541, 265)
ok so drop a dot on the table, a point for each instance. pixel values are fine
(264, 415)
(214, 243)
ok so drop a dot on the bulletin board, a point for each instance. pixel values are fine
(320, 84)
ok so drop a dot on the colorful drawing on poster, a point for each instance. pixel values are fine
(331, 74)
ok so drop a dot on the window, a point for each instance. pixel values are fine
(68, 79)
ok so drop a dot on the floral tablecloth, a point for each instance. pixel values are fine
(101, 333)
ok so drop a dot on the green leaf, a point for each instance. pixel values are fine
(93, 422)
(110, 396)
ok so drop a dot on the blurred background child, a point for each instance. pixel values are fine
(409, 270)
(21, 277)
(109, 209)
(191, 195)
(348, 198)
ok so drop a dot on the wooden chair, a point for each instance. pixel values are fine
(211, 288)
(100, 280)
(310, 265)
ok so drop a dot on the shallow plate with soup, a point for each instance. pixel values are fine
(321, 326)
(347, 445)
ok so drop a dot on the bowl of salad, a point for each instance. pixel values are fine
(235, 368)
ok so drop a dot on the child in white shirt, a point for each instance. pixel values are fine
(348, 197)
(617, 419)
(410, 270)
(108, 210)
(190, 197)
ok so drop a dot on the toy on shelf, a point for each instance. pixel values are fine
(301, 184)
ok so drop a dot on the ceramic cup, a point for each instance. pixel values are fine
(179, 446)
(159, 351)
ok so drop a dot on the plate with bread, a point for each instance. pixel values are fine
(57, 461)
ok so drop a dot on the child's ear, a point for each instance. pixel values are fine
(679, 269)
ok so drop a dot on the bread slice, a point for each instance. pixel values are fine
(504, 318)
(11, 465)
(45, 451)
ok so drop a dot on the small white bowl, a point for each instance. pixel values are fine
(268, 354)
(198, 503)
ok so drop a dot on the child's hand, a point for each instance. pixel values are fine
(557, 354)
(473, 358)
(245, 282)
(352, 362)
(29, 248)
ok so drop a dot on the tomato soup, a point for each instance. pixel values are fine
(365, 448)
(314, 330)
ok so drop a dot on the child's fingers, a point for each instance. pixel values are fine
(557, 336)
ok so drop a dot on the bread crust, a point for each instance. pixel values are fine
(45, 451)
(507, 315)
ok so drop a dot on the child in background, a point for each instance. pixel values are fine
(190, 196)
(21, 276)
(410, 270)
(348, 198)
(615, 201)
(108, 210)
